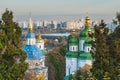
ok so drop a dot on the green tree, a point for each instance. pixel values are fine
(56, 63)
(114, 44)
(100, 51)
(12, 58)
(118, 16)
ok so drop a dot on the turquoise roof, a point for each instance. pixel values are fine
(30, 35)
(33, 52)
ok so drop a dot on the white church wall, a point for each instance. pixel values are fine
(31, 41)
(71, 65)
(36, 63)
(73, 48)
(40, 45)
(87, 48)
(81, 45)
(81, 63)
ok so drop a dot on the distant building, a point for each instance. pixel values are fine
(54, 24)
(112, 27)
(74, 25)
(35, 57)
(79, 47)
(23, 24)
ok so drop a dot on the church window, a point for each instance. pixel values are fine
(73, 48)
(36, 64)
(69, 71)
(29, 41)
(40, 46)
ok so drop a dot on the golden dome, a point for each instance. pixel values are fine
(30, 25)
(87, 21)
(40, 40)
(73, 33)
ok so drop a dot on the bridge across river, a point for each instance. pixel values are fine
(55, 35)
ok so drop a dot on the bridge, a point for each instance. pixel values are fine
(55, 35)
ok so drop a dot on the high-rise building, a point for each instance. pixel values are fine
(74, 25)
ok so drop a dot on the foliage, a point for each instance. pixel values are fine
(103, 61)
(56, 63)
(12, 65)
(114, 44)
(118, 16)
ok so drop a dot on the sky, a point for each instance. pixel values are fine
(60, 7)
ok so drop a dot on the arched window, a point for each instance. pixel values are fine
(37, 64)
(40, 46)
(73, 48)
(88, 49)
(29, 41)
(69, 71)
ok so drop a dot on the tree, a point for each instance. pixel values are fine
(100, 51)
(12, 58)
(114, 44)
(56, 63)
(118, 16)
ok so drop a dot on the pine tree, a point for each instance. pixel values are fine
(102, 59)
(12, 58)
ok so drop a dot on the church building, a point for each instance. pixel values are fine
(35, 57)
(79, 46)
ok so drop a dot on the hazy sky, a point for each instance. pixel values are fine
(58, 7)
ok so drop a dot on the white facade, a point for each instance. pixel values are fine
(36, 63)
(40, 45)
(81, 63)
(73, 48)
(81, 45)
(71, 65)
(31, 41)
(87, 48)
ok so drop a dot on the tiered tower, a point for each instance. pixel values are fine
(79, 47)
(40, 42)
(35, 58)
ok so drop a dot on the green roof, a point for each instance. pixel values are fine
(84, 32)
(67, 77)
(87, 45)
(71, 54)
(85, 56)
(73, 40)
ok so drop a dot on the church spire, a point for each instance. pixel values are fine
(30, 25)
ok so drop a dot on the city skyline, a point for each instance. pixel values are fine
(60, 7)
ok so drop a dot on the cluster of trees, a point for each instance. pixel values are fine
(12, 58)
(106, 51)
